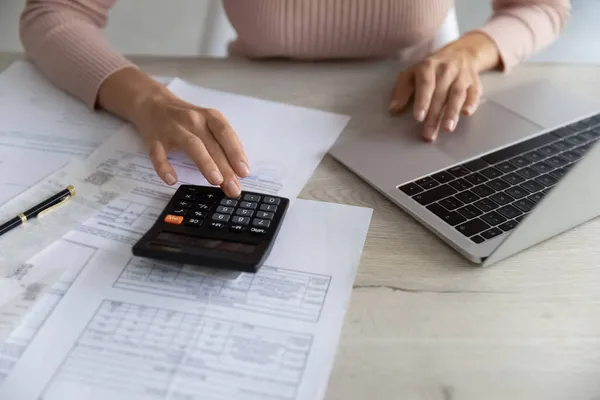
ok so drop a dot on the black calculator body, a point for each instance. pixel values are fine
(201, 226)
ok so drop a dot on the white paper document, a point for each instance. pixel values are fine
(131, 328)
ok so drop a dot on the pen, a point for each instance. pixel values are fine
(39, 209)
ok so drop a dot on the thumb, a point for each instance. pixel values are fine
(158, 156)
(402, 93)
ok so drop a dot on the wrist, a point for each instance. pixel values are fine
(481, 49)
(126, 92)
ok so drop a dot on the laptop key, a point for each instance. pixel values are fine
(450, 217)
(443, 177)
(520, 161)
(451, 203)
(549, 150)
(411, 189)
(558, 173)
(461, 184)
(524, 205)
(534, 156)
(476, 179)
(433, 195)
(506, 167)
(570, 156)
(563, 132)
(532, 186)
(501, 198)
(491, 233)
(542, 167)
(562, 145)
(470, 211)
(491, 173)
(483, 190)
(546, 180)
(476, 165)
(486, 205)
(509, 212)
(513, 178)
(498, 184)
(458, 171)
(518, 149)
(528, 173)
(508, 225)
(576, 140)
(557, 161)
(534, 198)
(493, 218)
(477, 239)
(467, 197)
(472, 227)
(516, 192)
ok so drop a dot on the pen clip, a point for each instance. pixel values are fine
(63, 201)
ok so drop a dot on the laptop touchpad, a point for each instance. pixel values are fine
(491, 127)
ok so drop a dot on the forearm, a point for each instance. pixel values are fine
(63, 38)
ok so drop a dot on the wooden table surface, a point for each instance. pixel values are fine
(423, 323)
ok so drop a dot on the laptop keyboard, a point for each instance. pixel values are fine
(488, 196)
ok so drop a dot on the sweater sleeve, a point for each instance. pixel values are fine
(64, 40)
(522, 27)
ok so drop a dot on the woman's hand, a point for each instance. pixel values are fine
(446, 83)
(166, 122)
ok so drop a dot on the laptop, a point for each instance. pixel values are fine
(524, 168)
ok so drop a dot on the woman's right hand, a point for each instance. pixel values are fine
(166, 122)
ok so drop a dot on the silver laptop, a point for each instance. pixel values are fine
(521, 170)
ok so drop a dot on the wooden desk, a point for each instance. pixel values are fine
(423, 323)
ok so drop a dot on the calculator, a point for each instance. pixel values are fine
(201, 226)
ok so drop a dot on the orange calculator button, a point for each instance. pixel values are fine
(173, 219)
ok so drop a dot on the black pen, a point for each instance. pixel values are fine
(39, 209)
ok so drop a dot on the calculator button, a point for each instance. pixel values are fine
(189, 197)
(264, 215)
(198, 214)
(248, 204)
(202, 206)
(244, 212)
(193, 222)
(237, 228)
(252, 197)
(258, 231)
(174, 219)
(179, 211)
(271, 200)
(207, 198)
(229, 202)
(240, 220)
(184, 204)
(225, 210)
(191, 189)
(268, 207)
(220, 217)
(261, 223)
(217, 225)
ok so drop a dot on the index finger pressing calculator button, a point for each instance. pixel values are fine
(201, 226)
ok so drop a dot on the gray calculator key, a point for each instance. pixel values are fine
(220, 217)
(248, 204)
(244, 212)
(264, 215)
(252, 197)
(271, 200)
(240, 220)
(261, 223)
(268, 207)
(229, 202)
(225, 210)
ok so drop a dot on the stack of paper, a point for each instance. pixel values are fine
(100, 323)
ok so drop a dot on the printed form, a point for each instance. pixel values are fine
(131, 328)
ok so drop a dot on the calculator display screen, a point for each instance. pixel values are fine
(207, 243)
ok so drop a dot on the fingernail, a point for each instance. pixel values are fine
(450, 124)
(215, 177)
(469, 110)
(233, 188)
(170, 179)
(430, 134)
(245, 169)
(420, 115)
(394, 106)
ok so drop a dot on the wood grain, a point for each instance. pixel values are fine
(423, 323)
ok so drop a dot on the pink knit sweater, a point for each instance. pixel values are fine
(64, 37)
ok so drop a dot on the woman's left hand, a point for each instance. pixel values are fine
(446, 83)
